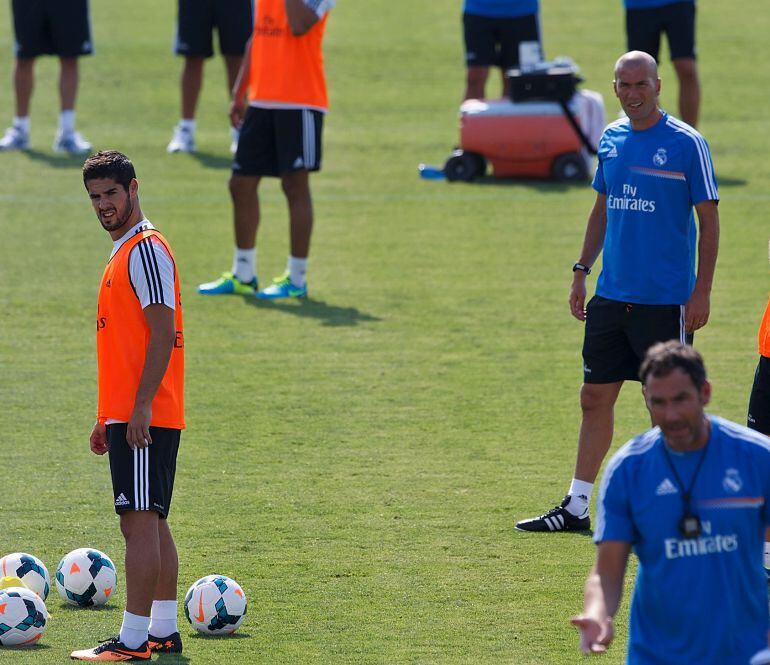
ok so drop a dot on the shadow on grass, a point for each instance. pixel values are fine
(723, 181)
(547, 186)
(328, 315)
(56, 160)
(210, 160)
(27, 647)
(231, 636)
(66, 607)
(172, 659)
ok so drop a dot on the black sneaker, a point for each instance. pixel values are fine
(557, 519)
(170, 644)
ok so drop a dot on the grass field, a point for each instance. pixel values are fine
(357, 461)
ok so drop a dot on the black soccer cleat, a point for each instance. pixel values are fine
(557, 519)
(170, 644)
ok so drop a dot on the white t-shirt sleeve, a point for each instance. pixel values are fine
(151, 270)
(320, 7)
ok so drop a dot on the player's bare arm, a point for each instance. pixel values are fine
(240, 87)
(698, 307)
(160, 320)
(301, 17)
(603, 591)
(592, 246)
(98, 439)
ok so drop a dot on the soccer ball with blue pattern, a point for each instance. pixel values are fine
(29, 569)
(215, 605)
(23, 616)
(86, 577)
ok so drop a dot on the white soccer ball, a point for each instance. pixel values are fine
(86, 577)
(215, 605)
(29, 569)
(23, 616)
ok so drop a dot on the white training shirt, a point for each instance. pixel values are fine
(151, 268)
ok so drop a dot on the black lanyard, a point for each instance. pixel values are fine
(689, 525)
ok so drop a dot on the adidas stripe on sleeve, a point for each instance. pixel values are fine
(152, 273)
(703, 184)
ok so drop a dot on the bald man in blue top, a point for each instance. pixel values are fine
(653, 170)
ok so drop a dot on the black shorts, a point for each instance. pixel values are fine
(143, 479)
(644, 27)
(278, 141)
(759, 402)
(495, 41)
(618, 335)
(51, 27)
(196, 20)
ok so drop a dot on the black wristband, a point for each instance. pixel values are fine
(580, 266)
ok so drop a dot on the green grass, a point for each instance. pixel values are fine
(356, 462)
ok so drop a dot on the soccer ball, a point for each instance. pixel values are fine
(23, 616)
(86, 577)
(29, 569)
(215, 605)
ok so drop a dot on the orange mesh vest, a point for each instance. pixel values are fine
(122, 336)
(764, 333)
(284, 68)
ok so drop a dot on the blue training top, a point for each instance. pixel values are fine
(500, 8)
(652, 179)
(648, 4)
(696, 600)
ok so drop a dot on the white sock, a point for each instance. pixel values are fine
(767, 555)
(188, 124)
(133, 632)
(580, 491)
(297, 269)
(163, 618)
(245, 264)
(67, 122)
(21, 123)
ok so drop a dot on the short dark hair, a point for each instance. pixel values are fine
(109, 164)
(664, 357)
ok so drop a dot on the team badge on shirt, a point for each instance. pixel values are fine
(732, 481)
(660, 157)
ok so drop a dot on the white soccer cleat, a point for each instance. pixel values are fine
(72, 143)
(14, 139)
(183, 140)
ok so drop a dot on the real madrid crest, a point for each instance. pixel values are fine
(660, 157)
(732, 481)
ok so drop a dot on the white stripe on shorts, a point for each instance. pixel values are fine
(682, 331)
(308, 138)
(141, 479)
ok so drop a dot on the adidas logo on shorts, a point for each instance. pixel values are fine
(121, 500)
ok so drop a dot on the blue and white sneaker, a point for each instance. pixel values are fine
(282, 287)
(14, 138)
(72, 143)
(229, 284)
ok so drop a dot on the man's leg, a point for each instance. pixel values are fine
(68, 83)
(23, 83)
(296, 187)
(476, 81)
(243, 192)
(164, 631)
(143, 563)
(191, 82)
(689, 89)
(597, 402)
(16, 137)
